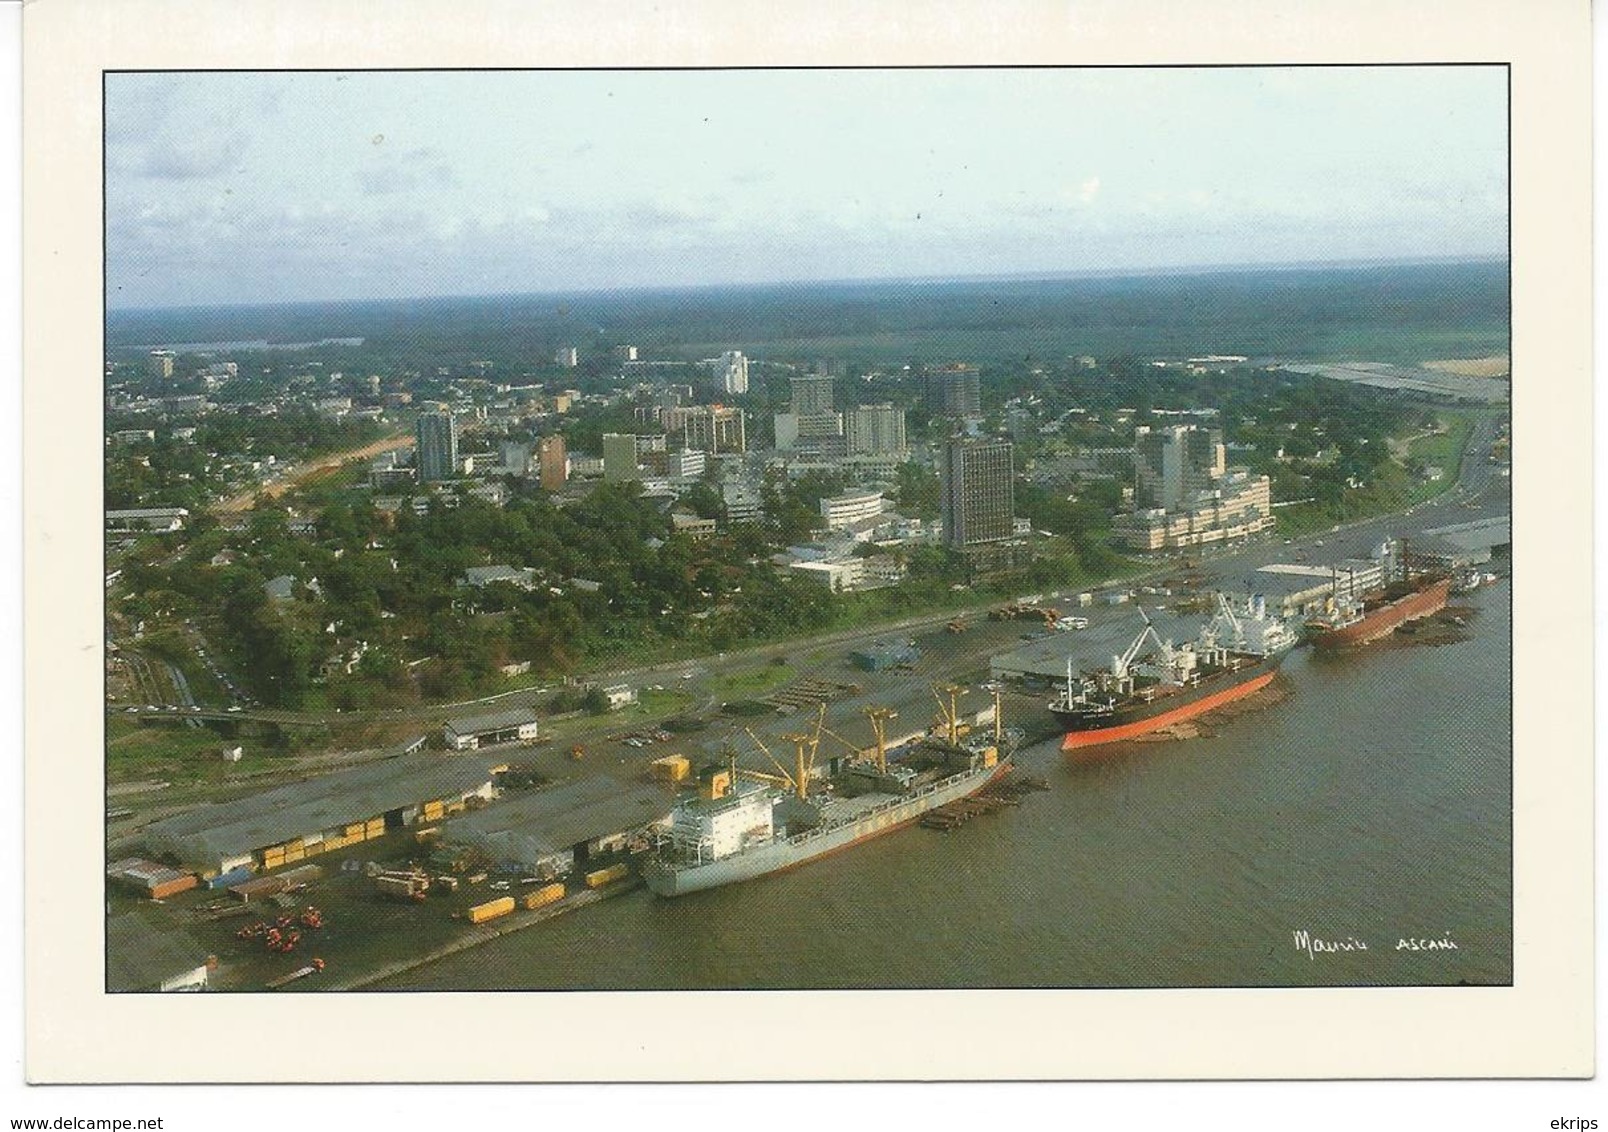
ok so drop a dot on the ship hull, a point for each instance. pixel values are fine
(1387, 618)
(1134, 720)
(803, 848)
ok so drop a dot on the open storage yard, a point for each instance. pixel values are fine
(356, 930)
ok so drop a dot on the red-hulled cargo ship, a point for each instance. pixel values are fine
(1236, 655)
(1379, 613)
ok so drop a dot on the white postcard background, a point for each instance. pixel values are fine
(1542, 1026)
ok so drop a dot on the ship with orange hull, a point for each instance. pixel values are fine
(1380, 613)
(1237, 654)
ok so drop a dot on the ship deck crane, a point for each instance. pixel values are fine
(805, 748)
(879, 717)
(950, 710)
(1119, 665)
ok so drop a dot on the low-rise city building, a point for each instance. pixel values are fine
(469, 733)
(845, 510)
(480, 576)
(1238, 505)
(137, 520)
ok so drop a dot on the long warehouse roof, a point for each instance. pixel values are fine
(492, 721)
(527, 827)
(224, 829)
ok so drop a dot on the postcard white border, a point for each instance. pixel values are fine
(1542, 1026)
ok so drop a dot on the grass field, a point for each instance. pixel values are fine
(759, 682)
(176, 753)
(1393, 489)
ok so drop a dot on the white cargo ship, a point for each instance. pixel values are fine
(742, 824)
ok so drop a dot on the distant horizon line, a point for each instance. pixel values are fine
(1183, 270)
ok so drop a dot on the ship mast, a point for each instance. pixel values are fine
(879, 717)
(950, 710)
(797, 782)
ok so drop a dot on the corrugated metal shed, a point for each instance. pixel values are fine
(530, 827)
(1478, 534)
(212, 833)
(144, 874)
(494, 721)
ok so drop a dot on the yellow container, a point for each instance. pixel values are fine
(491, 909)
(293, 855)
(605, 876)
(373, 833)
(433, 811)
(273, 861)
(355, 829)
(671, 768)
(293, 843)
(374, 824)
(543, 896)
(314, 849)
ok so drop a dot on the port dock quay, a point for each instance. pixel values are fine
(484, 933)
(1045, 659)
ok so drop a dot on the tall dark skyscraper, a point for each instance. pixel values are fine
(438, 447)
(812, 393)
(979, 502)
(954, 391)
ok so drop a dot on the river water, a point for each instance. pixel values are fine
(1372, 806)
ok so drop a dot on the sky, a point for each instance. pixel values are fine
(225, 189)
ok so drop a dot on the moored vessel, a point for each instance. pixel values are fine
(1350, 619)
(1236, 654)
(744, 824)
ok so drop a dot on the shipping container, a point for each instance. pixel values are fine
(605, 876)
(671, 768)
(491, 909)
(355, 829)
(404, 886)
(374, 833)
(233, 876)
(163, 889)
(548, 894)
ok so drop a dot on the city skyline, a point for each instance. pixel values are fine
(234, 189)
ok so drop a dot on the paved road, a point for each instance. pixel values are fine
(300, 473)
